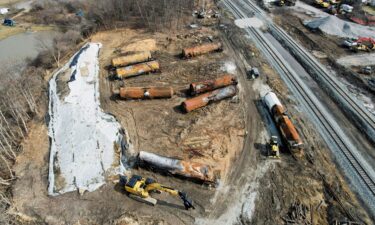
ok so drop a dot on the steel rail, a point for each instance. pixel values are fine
(312, 106)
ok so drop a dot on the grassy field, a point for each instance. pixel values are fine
(6, 32)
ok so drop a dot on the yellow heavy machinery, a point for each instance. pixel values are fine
(141, 188)
(286, 2)
(322, 3)
(274, 151)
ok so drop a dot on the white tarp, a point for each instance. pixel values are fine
(4, 11)
(82, 136)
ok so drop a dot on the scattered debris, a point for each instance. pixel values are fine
(298, 214)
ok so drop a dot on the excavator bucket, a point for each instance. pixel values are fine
(187, 202)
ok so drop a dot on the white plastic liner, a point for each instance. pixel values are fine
(83, 137)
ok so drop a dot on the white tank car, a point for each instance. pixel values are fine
(271, 100)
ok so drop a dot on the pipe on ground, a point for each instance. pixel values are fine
(138, 69)
(206, 98)
(210, 85)
(193, 170)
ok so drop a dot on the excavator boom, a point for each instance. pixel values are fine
(140, 188)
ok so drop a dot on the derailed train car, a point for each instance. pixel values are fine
(192, 170)
(286, 127)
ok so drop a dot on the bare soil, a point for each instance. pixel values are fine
(231, 136)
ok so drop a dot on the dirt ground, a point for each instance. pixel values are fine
(154, 125)
(325, 47)
(313, 180)
(230, 135)
(159, 126)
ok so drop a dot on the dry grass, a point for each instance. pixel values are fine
(6, 32)
(9, 2)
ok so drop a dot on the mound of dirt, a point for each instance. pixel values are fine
(335, 26)
(139, 46)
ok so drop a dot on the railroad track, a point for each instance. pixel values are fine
(310, 101)
(366, 121)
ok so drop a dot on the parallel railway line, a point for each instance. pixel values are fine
(310, 101)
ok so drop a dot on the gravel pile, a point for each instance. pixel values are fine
(337, 27)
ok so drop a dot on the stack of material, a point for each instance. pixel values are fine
(299, 214)
(135, 64)
(213, 90)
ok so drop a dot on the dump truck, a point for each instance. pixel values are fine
(284, 124)
(141, 189)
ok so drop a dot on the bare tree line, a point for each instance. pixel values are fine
(18, 105)
(156, 15)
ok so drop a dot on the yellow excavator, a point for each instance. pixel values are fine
(322, 3)
(141, 188)
(274, 151)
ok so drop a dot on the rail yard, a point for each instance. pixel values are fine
(246, 112)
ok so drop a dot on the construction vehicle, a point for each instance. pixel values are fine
(286, 2)
(253, 73)
(9, 22)
(140, 188)
(274, 151)
(360, 44)
(322, 3)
